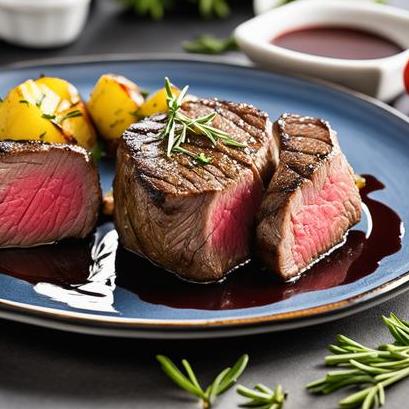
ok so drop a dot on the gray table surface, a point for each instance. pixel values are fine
(43, 368)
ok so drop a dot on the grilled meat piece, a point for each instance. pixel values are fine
(196, 221)
(47, 193)
(312, 200)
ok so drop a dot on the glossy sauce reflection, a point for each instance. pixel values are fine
(84, 275)
(338, 42)
(250, 286)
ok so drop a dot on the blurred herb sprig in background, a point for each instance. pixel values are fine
(156, 9)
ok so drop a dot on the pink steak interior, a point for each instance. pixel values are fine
(233, 217)
(39, 205)
(320, 221)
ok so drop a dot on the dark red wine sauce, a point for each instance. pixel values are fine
(71, 265)
(338, 42)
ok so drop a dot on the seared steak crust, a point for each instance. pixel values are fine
(193, 220)
(312, 200)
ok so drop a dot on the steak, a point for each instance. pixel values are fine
(312, 200)
(47, 193)
(190, 219)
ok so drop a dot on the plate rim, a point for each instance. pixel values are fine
(100, 324)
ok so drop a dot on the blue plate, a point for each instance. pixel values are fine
(374, 138)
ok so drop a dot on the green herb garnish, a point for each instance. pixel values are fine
(42, 135)
(144, 92)
(178, 126)
(156, 8)
(98, 151)
(72, 114)
(263, 397)
(189, 382)
(371, 370)
(207, 44)
(23, 101)
(203, 159)
(48, 116)
(209, 8)
(40, 101)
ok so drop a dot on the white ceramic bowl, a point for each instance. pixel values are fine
(261, 6)
(381, 78)
(42, 23)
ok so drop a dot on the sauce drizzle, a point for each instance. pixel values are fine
(84, 275)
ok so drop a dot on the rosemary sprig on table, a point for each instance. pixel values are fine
(208, 44)
(263, 397)
(179, 126)
(189, 382)
(370, 369)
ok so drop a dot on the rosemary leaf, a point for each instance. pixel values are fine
(214, 388)
(191, 374)
(369, 370)
(223, 381)
(262, 397)
(178, 125)
(173, 372)
(233, 374)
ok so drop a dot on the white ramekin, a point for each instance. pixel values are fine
(381, 78)
(42, 23)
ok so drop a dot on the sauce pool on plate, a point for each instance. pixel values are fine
(84, 274)
(338, 42)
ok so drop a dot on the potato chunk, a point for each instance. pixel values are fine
(113, 105)
(49, 110)
(26, 113)
(156, 103)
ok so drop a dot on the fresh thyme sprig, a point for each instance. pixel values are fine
(179, 126)
(370, 369)
(263, 397)
(189, 382)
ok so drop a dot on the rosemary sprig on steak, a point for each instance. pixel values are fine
(369, 370)
(179, 127)
(189, 382)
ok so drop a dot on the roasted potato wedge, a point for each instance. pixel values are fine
(76, 124)
(25, 114)
(156, 103)
(66, 91)
(49, 110)
(113, 104)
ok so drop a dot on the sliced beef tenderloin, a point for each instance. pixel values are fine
(312, 200)
(47, 193)
(190, 219)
